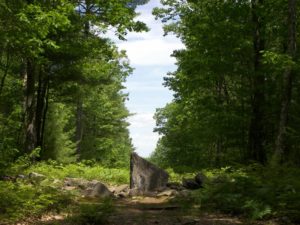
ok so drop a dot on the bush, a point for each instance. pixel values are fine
(55, 170)
(92, 213)
(255, 192)
(21, 200)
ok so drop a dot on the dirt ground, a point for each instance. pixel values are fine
(151, 211)
(155, 211)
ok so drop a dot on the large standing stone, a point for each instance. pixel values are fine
(146, 177)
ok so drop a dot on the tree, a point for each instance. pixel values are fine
(281, 142)
(58, 50)
(227, 86)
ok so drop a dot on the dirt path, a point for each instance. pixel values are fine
(151, 211)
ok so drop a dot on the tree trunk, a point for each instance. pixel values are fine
(280, 145)
(79, 126)
(5, 73)
(45, 111)
(256, 150)
(41, 107)
(30, 137)
(79, 107)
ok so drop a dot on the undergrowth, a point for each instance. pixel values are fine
(29, 198)
(84, 170)
(91, 213)
(20, 200)
(254, 192)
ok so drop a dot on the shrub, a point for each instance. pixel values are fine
(56, 170)
(253, 191)
(92, 213)
(20, 200)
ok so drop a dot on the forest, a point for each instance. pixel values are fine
(235, 113)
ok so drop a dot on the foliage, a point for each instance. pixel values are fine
(23, 162)
(22, 200)
(228, 85)
(86, 170)
(61, 80)
(58, 144)
(91, 213)
(254, 191)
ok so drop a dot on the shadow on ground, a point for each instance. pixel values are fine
(146, 211)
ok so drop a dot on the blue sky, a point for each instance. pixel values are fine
(149, 53)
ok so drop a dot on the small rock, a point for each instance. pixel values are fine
(57, 181)
(121, 188)
(167, 193)
(7, 178)
(175, 186)
(76, 182)
(161, 189)
(122, 195)
(69, 188)
(21, 177)
(184, 193)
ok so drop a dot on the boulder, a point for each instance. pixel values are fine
(36, 177)
(200, 179)
(97, 190)
(145, 176)
(190, 184)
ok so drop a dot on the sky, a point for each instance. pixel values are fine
(150, 54)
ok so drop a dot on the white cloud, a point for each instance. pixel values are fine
(149, 48)
(141, 130)
(141, 120)
(150, 86)
(155, 52)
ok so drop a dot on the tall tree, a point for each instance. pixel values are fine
(281, 140)
(257, 135)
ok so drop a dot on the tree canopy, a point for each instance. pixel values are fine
(62, 79)
(236, 86)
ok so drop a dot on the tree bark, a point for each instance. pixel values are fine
(45, 111)
(30, 137)
(79, 126)
(41, 106)
(79, 106)
(5, 73)
(280, 145)
(256, 150)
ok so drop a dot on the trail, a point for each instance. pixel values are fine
(149, 211)
(153, 211)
